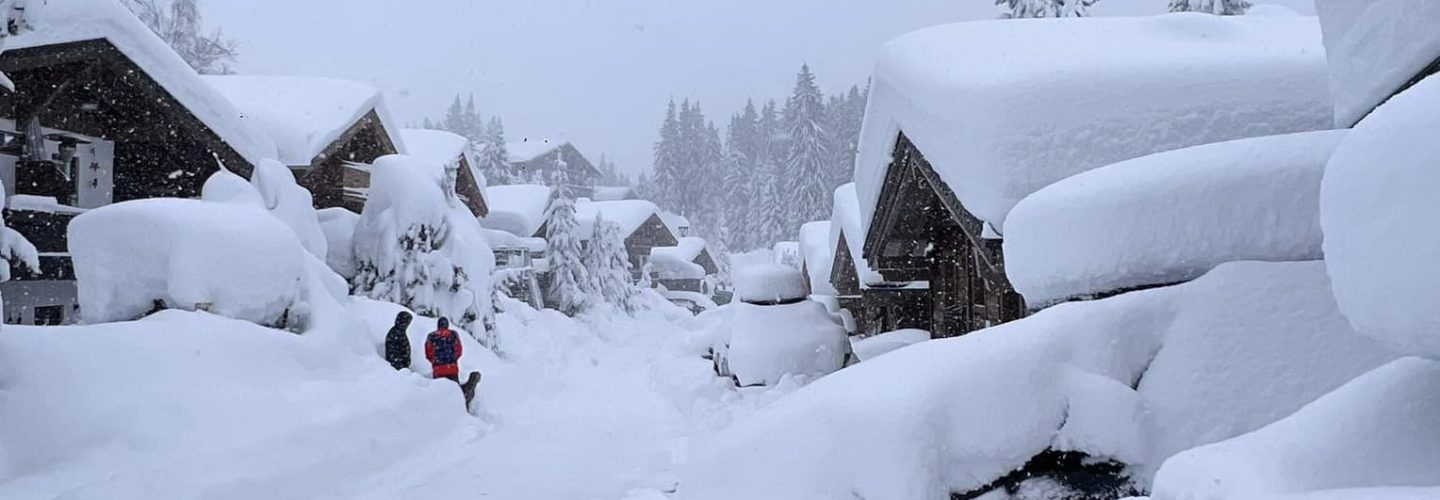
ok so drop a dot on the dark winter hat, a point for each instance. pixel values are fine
(403, 318)
(444, 323)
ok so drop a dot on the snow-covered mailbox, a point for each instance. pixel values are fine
(326, 130)
(102, 111)
(776, 332)
(965, 120)
(877, 305)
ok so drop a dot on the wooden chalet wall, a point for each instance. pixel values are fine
(581, 175)
(922, 232)
(877, 309)
(652, 233)
(329, 177)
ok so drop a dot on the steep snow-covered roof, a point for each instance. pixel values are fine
(530, 149)
(1170, 217)
(517, 209)
(1001, 109)
(65, 21)
(845, 219)
(1375, 47)
(304, 115)
(688, 250)
(818, 255)
(677, 223)
(439, 146)
(628, 214)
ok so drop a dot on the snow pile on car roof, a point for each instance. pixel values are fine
(766, 283)
(1170, 217)
(1001, 109)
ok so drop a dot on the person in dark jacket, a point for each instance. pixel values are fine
(443, 349)
(397, 343)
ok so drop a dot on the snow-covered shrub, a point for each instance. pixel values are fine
(569, 288)
(290, 203)
(232, 259)
(418, 246)
(1133, 379)
(770, 283)
(1170, 217)
(768, 343)
(1378, 202)
(1379, 430)
(339, 224)
(608, 265)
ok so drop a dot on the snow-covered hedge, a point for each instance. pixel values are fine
(233, 260)
(767, 283)
(1134, 378)
(768, 343)
(1170, 217)
(1375, 47)
(1379, 430)
(1378, 204)
(418, 246)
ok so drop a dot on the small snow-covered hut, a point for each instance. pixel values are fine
(877, 305)
(327, 130)
(102, 111)
(956, 133)
(453, 151)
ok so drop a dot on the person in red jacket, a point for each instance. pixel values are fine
(443, 349)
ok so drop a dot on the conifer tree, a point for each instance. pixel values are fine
(1014, 9)
(472, 127)
(454, 117)
(609, 266)
(494, 158)
(667, 170)
(806, 176)
(1217, 7)
(568, 289)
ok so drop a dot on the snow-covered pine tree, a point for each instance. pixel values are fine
(494, 158)
(472, 127)
(609, 266)
(846, 113)
(454, 117)
(769, 207)
(1217, 7)
(568, 289)
(806, 174)
(667, 169)
(179, 24)
(1014, 9)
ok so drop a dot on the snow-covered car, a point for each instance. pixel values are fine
(777, 332)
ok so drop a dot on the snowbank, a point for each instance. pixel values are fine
(769, 343)
(846, 221)
(1377, 202)
(1002, 108)
(818, 255)
(338, 224)
(1375, 47)
(1377, 431)
(953, 415)
(304, 115)
(874, 346)
(417, 245)
(65, 21)
(233, 260)
(769, 283)
(290, 203)
(1170, 217)
(517, 209)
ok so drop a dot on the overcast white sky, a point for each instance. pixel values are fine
(595, 72)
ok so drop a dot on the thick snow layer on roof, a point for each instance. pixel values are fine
(1375, 47)
(1170, 217)
(818, 255)
(628, 214)
(523, 151)
(518, 209)
(1379, 430)
(1001, 109)
(677, 223)
(303, 115)
(65, 21)
(435, 146)
(613, 193)
(952, 415)
(678, 262)
(1377, 207)
(845, 219)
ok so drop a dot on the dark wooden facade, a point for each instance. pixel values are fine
(336, 177)
(470, 189)
(580, 175)
(652, 233)
(878, 308)
(921, 232)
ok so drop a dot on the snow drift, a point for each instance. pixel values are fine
(1170, 217)
(1377, 206)
(1134, 378)
(1062, 96)
(1375, 47)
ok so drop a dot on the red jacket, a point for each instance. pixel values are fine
(443, 349)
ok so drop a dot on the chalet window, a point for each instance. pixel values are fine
(49, 315)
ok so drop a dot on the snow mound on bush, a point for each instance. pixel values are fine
(1170, 217)
(1377, 209)
(1378, 430)
(1375, 47)
(290, 203)
(338, 224)
(1212, 359)
(769, 343)
(769, 283)
(237, 261)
